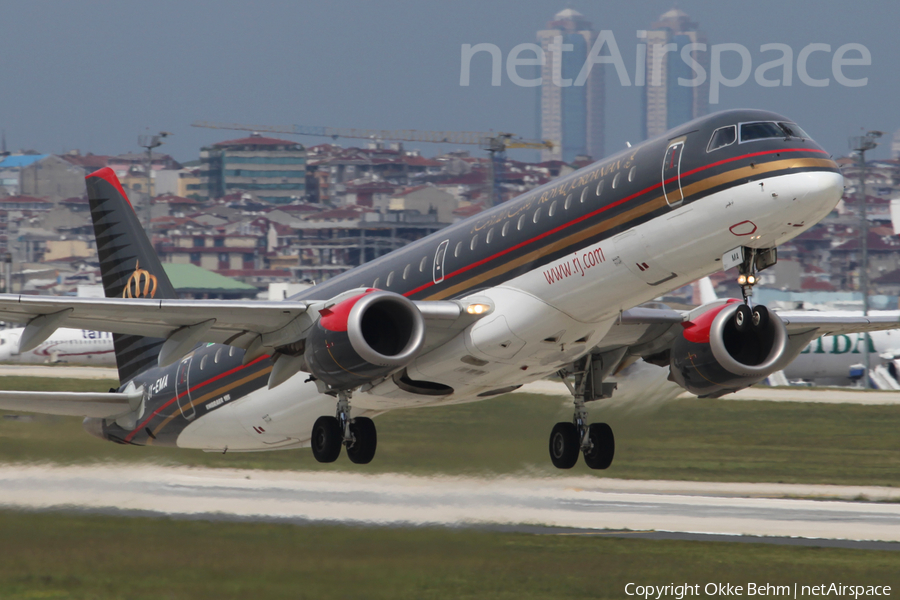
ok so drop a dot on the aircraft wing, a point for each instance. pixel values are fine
(645, 331)
(831, 325)
(75, 404)
(262, 325)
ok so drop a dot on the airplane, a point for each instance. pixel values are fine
(76, 346)
(555, 281)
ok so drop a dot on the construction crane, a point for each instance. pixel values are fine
(495, 143)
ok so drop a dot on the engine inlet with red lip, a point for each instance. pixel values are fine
(713, 357)
(364, 337)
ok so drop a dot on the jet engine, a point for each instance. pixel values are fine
(728, 348)
(364, 337)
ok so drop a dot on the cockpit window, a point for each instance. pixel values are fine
(721, 137)
(793, 130)
(761, 131)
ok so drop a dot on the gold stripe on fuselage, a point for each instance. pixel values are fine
(629, 215)
(208, 396)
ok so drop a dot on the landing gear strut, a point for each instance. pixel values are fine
(357, 434)
(755, 260)
(595, 441)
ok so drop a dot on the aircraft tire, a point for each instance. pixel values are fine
(327, 439)
(564, 445)
(603, 446)
(362, 451)
(760, 317)
(743, 318)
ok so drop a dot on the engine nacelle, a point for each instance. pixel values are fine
(364, 337)
(712, 357)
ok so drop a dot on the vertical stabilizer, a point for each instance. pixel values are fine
(128, 264)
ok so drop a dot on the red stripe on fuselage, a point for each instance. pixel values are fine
(188, 391)
(603, 209)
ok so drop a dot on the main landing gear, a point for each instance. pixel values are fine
(595, 441)
(357, 434)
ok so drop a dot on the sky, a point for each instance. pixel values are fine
(94, 75)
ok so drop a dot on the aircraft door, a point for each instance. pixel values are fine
(183, 389)
(439, 255)
(671, 173)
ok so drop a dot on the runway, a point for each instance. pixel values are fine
(583, 504)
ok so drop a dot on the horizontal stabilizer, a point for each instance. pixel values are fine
(74, 404)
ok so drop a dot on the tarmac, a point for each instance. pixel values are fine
(565, 504)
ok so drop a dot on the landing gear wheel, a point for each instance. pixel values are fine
(602, 446)
(564, 445)
(326, 439)
(742, 318)
(365, 439)
(760, 317)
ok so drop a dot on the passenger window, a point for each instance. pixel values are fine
(521, 223)
(721, 137)
(490, 235)
(422, 264)
(458, 249)
(568, 200)
(203, 361)
(584, 193)
(631, 174)
(600, 187)
(474, 242)
(231, 350)
(505, 229)
(376, 282)
(552, 209)
(537, 215)
(406, 271)
(390, 279)
(218, 355)
(615, 182)
(761, 131)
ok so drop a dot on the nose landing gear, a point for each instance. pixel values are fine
(755, 260)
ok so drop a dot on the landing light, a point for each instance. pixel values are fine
(477, 309)
(742, 279)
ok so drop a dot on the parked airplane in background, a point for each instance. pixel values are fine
(73, 346)
(549, 282)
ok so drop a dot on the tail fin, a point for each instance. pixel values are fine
(128, 264)
(707, 291)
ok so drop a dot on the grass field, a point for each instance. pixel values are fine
(712, 440)
(48, 555)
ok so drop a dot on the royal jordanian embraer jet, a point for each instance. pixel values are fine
(550, 283)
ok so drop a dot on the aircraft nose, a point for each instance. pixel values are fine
(824, 190)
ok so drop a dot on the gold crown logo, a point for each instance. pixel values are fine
(141, 284)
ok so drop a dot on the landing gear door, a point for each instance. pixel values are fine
(183, 389)
(439, 255)
(671, 173)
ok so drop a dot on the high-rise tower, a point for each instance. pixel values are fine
(570, 115)
(666, 103)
